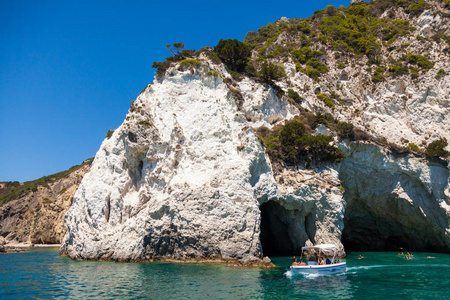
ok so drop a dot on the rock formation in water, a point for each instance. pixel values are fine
(33, 212)
(188, 173)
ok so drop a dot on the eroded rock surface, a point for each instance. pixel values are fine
(185, 176)
(182, 177)
(37, 216)
(394, 202)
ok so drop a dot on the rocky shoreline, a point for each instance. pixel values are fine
(264, 263)
(6, 247)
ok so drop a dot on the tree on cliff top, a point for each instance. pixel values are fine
(233, 53)
(175, 48)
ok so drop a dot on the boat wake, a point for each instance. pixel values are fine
(353, 270)
(291, 275)
(393, 266)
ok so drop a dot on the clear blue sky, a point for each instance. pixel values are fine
(69, 69)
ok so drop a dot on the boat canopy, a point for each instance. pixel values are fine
(323, 247)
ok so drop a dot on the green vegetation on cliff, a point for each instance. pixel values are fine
(295, 142)
(332, 39)
(13, 189)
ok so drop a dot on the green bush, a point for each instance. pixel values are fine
(378, 75)
(314, 68)
(290, 138)
(345, 130)
(374, 61)
(394, 29)
(303, 54)
(359, 9)
(398, 69)
(328, 102)
(340, 65)
(233, 53)
(418, 7)
(161, 67)
(292, 143)
(318, 148)
(251, 71)
(440, 73)
(215, 74)
(342, 46)
(109, 134)
(414, 72)
(420, 60)
(413, 147)
(270, 72)
(192, 62)
(145, 123)
(331, 10)
(436, 148)
(294, 96)
(304, 27)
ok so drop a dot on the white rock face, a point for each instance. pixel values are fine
(181, 177)
(400, 201)
(185, 174)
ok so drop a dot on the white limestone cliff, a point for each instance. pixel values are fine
(181, 177)
(185, 175)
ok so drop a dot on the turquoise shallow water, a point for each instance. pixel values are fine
(43, 274)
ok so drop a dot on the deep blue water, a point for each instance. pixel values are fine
(42, 274)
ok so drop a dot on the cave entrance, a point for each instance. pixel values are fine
(369, 230)
(275, 239)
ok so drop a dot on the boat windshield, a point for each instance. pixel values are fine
(323, 247)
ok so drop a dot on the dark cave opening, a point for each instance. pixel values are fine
(275, 240)
(365, 230)
(367, 236)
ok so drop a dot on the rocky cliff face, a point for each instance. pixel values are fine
(394, 201)
(185, 175)
(182, 177)
(36, 216)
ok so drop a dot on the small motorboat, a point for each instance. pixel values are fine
(329, 267)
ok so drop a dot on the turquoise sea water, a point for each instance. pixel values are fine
(42, 274)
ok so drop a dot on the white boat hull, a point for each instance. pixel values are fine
(319, 269)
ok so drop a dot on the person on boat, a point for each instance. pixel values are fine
(360, 257)
(321, 261)
(294, 261)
